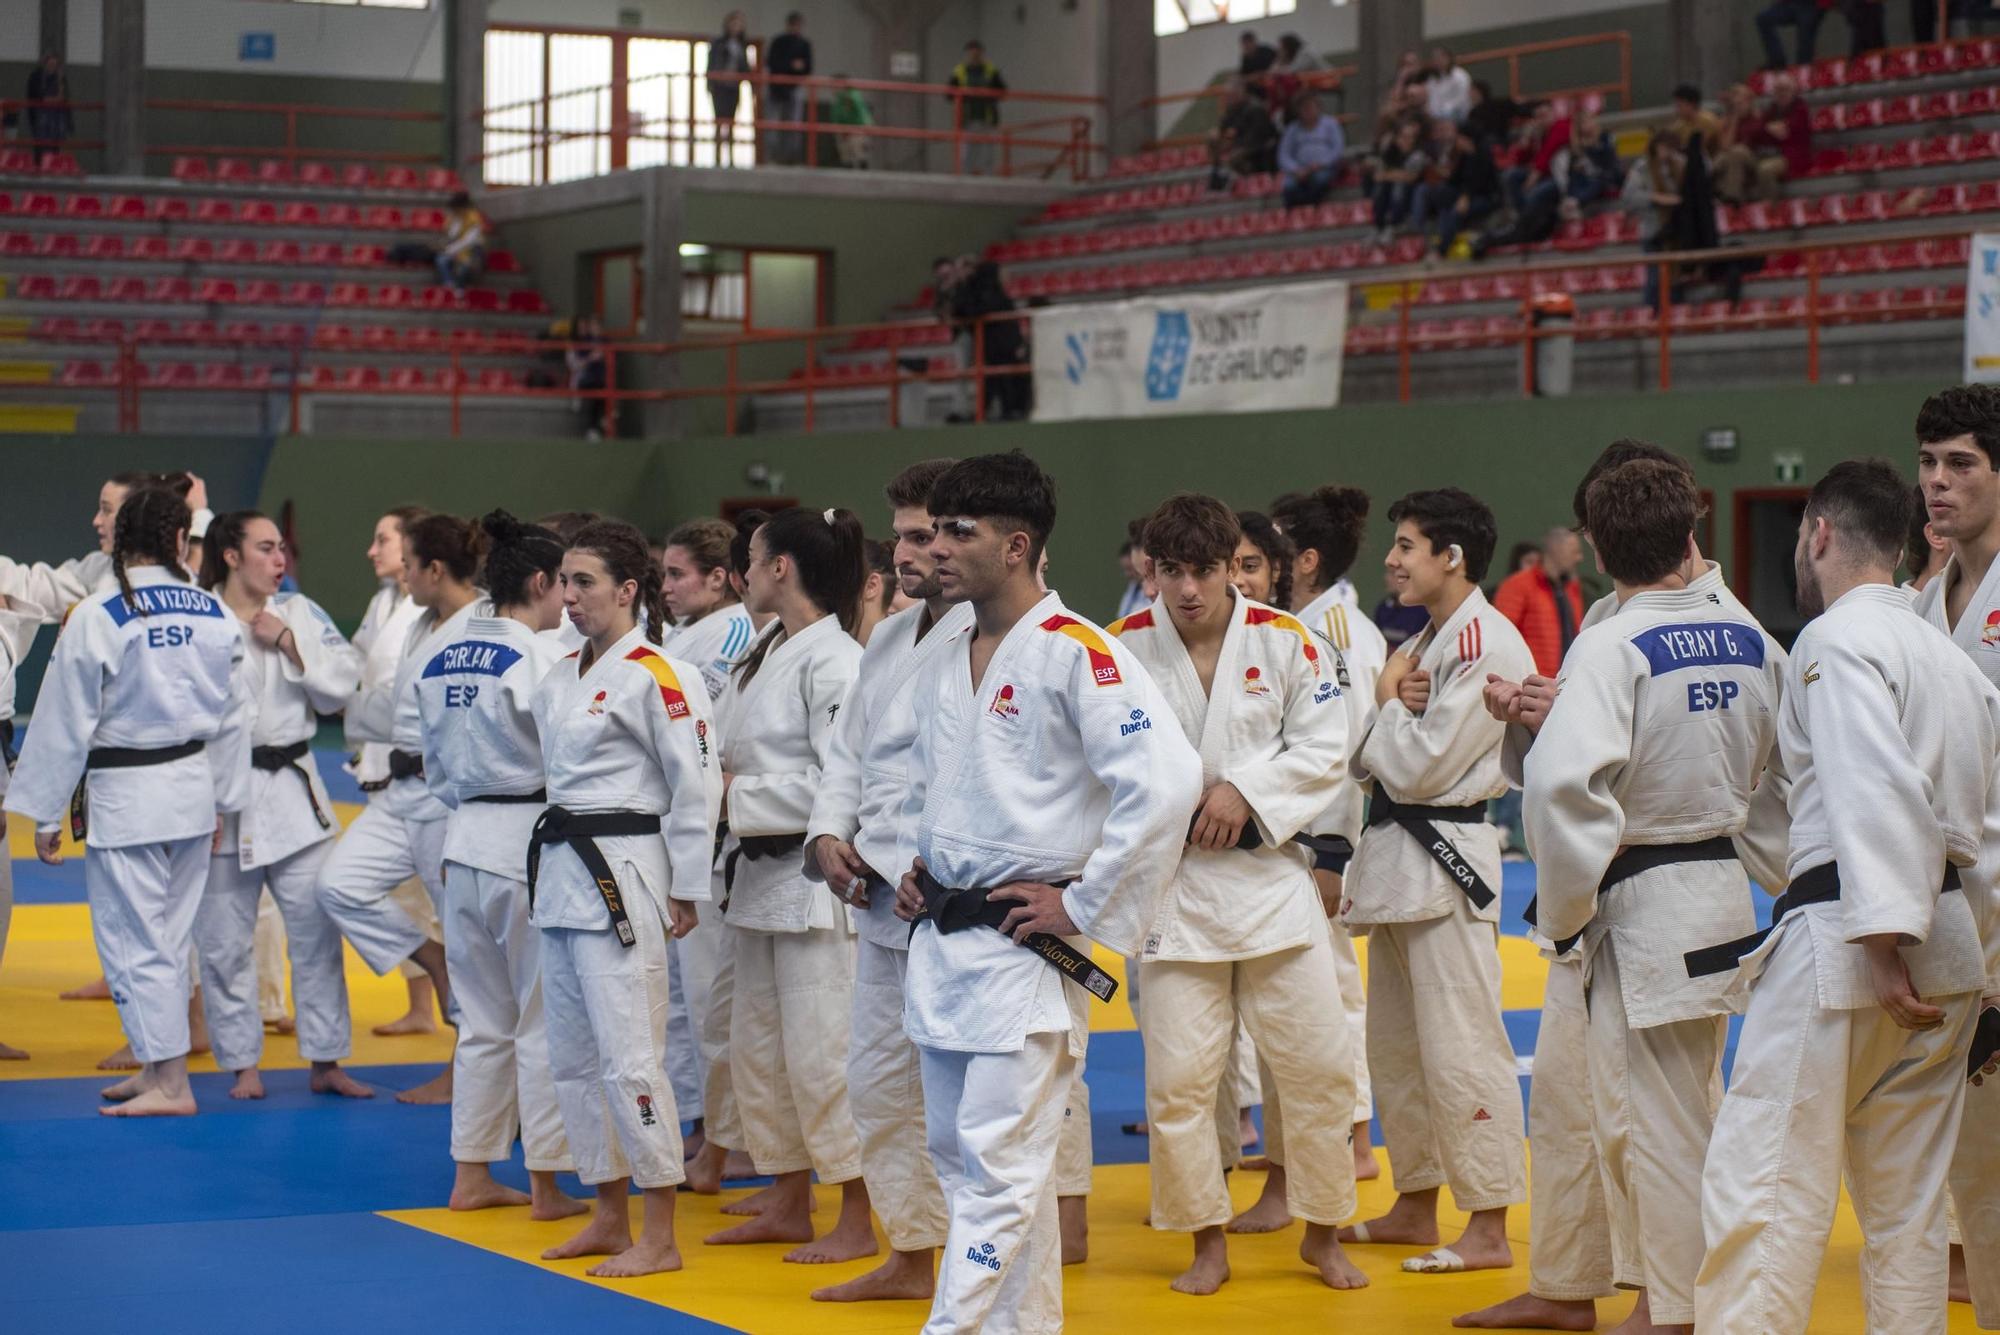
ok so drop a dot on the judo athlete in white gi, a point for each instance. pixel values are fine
(19, 622)
(711, 630)
(618, 861)
(794, 974)
(859, 828)
(1054, 798)
(1424, 885)
(1638, 781)
(1241, 933)
(1958, 451)
(296, 665)
(142, 706)
(1863, 998)
(1570, 1246)
(483, 759)
(401, 832)
(381, 637)
(1326, 526)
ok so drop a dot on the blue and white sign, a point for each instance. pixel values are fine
(1256, 350)
(257, 46)
(1982, 309)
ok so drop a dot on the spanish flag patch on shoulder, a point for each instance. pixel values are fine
(1139, 620)
(1103, 667)
(1272, 617)
(670, 685)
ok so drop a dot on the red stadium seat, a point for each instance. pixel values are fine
(234, 170)
(192, 250)
(317, 174)
(58, 246)
(61, 164)
(364, 256)
(274, 171)
(299, 214)
(278, 252)
(216, 291)
(172, 289)
(383, 218)
(528, 302)
(262, 292)
(501, 261)
(400, 178)
(191, 169)
(219, 211)
(83, 206)
(127, 290)
(319, 255)
(79, 287)
(126, 208)
(236, 250)
(195, 331)
(169, 375)
(426, 220)
(259, 212)
(36, 287)
(302, 294)
(347, 294)
(16, 162)
(87, 375)
(41, 206)
(345, 217)
(167, 208)
(104, 247)
(357, 176)
(391, 297)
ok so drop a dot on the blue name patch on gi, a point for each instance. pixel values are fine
(475, 656)
(1700, 644)
(162, 600)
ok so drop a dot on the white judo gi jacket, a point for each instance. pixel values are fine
(278, 821)
(122, 679)
(781, 726)
(395, 714)
(866, 778)
(476, 697)
(1873, 699)
(1274, 724)
(1666, 716)
(20, 621)
(1357, 660)
(1061, 766)
(714, 644)
(381, 638)
(1447, 756)
(633, 733)
(53, 590)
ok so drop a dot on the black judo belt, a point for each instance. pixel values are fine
(1330, 852)
(7, 751)
(951, 910)
(758, 848)
(1421, 821)
(581, 830)
(1641, 858)
(119, 757)
(406, 764)
(271, 759)
(1816, 885)
(539, 795)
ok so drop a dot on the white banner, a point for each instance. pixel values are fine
(1249, 351)
(1982, 309)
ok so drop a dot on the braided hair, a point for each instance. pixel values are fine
(515, 554)
(150, 526)
(626, 555)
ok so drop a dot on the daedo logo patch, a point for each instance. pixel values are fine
(1136, 721)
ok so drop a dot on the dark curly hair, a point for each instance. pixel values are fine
(149, 528)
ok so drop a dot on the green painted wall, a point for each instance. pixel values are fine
(557, 250)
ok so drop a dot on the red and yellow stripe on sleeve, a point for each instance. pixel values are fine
(1103, 667)
(670, 685)
(1269, 616)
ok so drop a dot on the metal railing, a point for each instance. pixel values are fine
(279, 130)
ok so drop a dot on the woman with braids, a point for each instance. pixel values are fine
(142, 705)
(401, 831)
(381, 637)
(615, 865)
(711, 630)
(483, 759)
(793, 989)
(53, 590)
(296, 666)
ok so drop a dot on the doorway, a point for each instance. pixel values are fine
(1767, 534)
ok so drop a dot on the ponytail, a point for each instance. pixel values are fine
(828, 549)
(626, 555)
(516, 553)
(456, 544)
(225, 534)
(149, 526)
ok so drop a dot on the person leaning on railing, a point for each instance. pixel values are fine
(981, 114)
(48, 125)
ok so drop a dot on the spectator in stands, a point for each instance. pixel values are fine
(1256, 59)
(1003, 343)
(980, 114)
(1289, 75)
(1783, 139)
(790, 55)
(850, 109)
(947, 274)
(1245, 142)
(1491, 119)
(1467, 195)
(1531, 184)
(585, 360)
(1747, 164)
(49, 126)
(1310, 153)
(1803, 15)
(1691, 119)
(728, 62)
(1397, 177)
(1652, 192)
(1450, 90)
(1411, 72)
(1545, 601)
(1590, 165)
(462, 258)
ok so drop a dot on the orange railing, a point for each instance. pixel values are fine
(262, 129)
(297, 378)
(605, 119)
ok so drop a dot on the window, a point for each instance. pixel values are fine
(1177, 16)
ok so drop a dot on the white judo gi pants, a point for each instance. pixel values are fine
(1354, 1001)
(1570, 1244)
(715, 962)
(1191, 1015)
(268, 951)
(414, 897)
(143, 902)
(225, 930)
(885, 1089)
(788, 1030)
(1445, 1087)
(684, 1068)
(500, 1068)
(1653, 1096)
(1812, 1088)
(1073, 1142)
(994, 1120)
(606, 1010)
(357, 884)
(1975, 1188)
